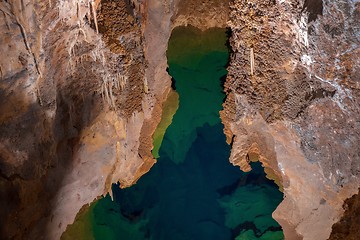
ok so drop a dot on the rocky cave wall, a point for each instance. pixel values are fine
(293, 98)
(72, 92)
(82, 84)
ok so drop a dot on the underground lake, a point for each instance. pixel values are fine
(192, 192)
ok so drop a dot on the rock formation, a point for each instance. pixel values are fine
(74, 104)
(293, 98)
(83, 83)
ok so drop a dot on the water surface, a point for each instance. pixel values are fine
(192, 192)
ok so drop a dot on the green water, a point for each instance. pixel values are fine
(192, 192)
(196, 63)
(170, 107)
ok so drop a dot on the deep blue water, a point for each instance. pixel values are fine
(193, 192)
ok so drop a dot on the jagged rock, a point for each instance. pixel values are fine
(299, 109)
(78, 108)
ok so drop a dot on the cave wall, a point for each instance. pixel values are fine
(347, 227)
(80, 97)
(293, 98)
(82, 84)
(71, 103)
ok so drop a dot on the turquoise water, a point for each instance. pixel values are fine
(193, 192)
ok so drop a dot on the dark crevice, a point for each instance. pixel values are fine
(348, 226)
(314, 7)
(173, 81)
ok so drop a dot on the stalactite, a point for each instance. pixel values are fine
(146, 88)
(95, 18)
(252, 62)
(24, 35)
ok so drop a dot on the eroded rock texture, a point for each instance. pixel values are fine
(72, 109)
(202, 14)
(82, 84)
(347, 227)
(293, 98)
